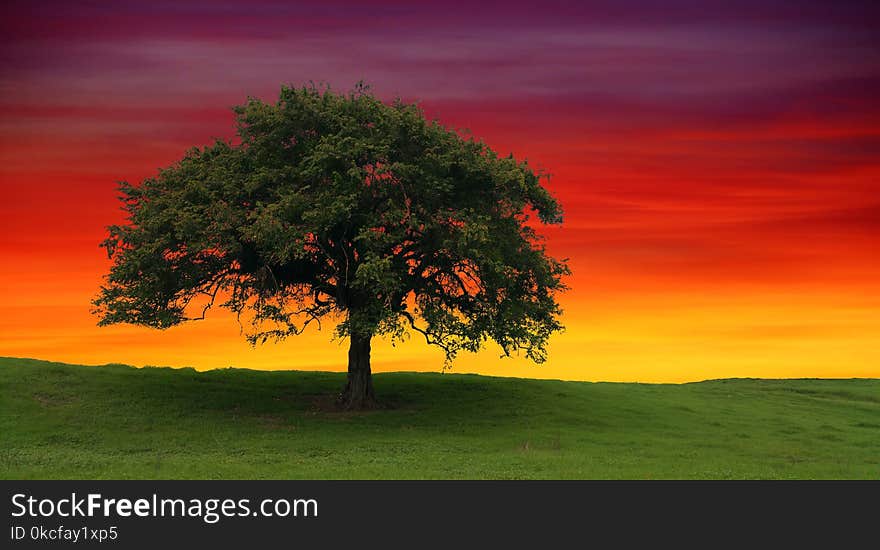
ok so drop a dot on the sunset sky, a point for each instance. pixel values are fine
(718, 163)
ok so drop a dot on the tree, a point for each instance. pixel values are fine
(341, 207)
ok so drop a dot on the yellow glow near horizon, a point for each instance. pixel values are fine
(670, 337)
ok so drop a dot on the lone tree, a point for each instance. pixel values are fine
(341, 207)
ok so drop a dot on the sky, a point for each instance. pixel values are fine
(718, 164)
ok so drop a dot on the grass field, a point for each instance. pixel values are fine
(69, 421)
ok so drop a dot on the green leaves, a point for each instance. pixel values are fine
(340, 205)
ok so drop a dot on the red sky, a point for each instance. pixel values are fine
(719, 166)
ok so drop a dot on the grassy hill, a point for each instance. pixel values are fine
(115, 421)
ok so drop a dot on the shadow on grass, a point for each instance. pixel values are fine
(163, 392)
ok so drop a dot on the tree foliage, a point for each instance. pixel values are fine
(341, 207)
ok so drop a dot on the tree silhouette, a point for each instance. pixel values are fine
(341, 207)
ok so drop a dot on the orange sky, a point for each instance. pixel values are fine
(719, 170)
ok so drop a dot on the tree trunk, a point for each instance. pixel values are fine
(358, 392)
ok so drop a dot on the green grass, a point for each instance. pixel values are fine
(115, 421)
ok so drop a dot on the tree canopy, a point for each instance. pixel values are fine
(341, 207)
